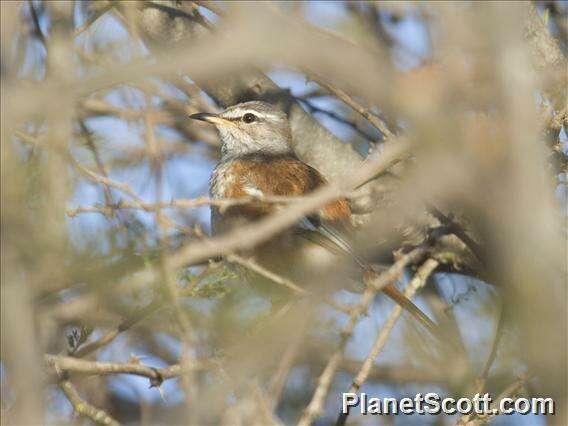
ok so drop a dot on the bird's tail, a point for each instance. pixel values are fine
(336, 241)
(398, 297)
(390, 290)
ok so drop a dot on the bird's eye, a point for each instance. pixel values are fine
(249, 117)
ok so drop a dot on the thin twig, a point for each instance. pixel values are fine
(177, 203)
(156, 375)
(278, 380)
(482, 379)
(83, 408)
(211, 6)
(99, 343)
(315, 406)
(138, 316)
(37, 28)
(509, 392)
(353, 124)
(289, 284)
(172, 288)
(91, 20)
(375, 121)
(419, 280)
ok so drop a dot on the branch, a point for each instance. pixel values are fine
(99, 11)
(337, 117)
(510, 391)
(36, 27)
(315, 406)
(482, 378)
(156, 375)
(290, 285)
(419, 280)
(223, 203)
(375, 121)
(83, 408)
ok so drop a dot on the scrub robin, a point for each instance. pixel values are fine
(257, 160)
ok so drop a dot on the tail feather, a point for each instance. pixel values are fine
(397, 296)
(390, 290)
(336, 239)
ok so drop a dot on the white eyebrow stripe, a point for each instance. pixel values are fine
(241, 112)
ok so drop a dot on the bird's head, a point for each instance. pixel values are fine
(251, 128)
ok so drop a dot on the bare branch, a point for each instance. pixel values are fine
(315, 407)
(419, 280)
(83, 408)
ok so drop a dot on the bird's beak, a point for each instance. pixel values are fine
(209, 118)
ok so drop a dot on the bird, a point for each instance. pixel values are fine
(257, 160)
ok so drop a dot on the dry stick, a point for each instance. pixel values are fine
(100, 165)
(264, 413)
(118, 185)
(278, 380)
(123, 187)
(83, 408)
(315, 406)
(222, 203)
(211, 6)
(103, 171)
(125, 325)
(496, 340)
(76, 365)
(458, 230)
(37, 28)
(418, 281)
(482, 379)
(103, 180)
(112, 334)
(186, 329)
(91, 20)
(375, 121)
(261, 270)
(178, 203)
(509, 392)
(99, 343)
(337, 117)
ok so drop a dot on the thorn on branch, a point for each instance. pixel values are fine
(156, 382)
